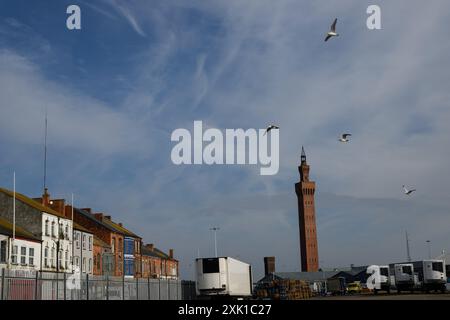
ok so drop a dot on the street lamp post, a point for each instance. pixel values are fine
(215, 239)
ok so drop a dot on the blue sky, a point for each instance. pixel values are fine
(137, 70)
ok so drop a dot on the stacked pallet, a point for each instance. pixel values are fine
(284, 289)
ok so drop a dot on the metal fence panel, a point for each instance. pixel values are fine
(32, 285)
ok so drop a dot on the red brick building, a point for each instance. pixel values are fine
(157, 264)
(108, 234)
(305, 190)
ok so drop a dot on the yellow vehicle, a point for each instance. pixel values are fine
(354, 287)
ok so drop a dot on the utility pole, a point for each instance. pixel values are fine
(215, 239)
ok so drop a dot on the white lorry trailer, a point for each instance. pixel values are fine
(431, 274)
(223, 277)
(405, 279)
(424, 275)
(384, 278)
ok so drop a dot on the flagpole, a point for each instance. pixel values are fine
(14, 207)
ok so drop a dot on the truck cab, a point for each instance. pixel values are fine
(432, 274)
(405, 279)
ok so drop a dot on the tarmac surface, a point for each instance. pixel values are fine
(394, 296)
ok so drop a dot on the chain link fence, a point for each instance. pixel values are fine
(33, 285)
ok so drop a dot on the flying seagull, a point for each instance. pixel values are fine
(408, 192)
(344, 137)
(332, 32)
(270, 128)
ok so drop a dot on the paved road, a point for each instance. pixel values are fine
(418, 296)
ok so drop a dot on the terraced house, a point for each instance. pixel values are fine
(96, 223)
(44, 223)
(24, 246)
(131, 249)
(157, 264)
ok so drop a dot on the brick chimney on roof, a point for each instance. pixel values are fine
(150, 246)
(89, 210)
(269, 265)
(98, 216)
(46, 198)
(171, 253)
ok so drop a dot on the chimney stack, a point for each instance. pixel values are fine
(98, 216)
(88, 210)
(149, 246)
(269, 265)
(46, 198)
(171, 253)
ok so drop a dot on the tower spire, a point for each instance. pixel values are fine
(303, 156)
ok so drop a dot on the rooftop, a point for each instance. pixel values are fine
(32, 203)
(6, 228)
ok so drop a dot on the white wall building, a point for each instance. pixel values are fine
(83, 244)
(56, 243)
(25, 249)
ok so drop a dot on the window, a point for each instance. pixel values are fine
(23, 255)
(14, 255)
(67, 232)
(113, 244)
(84, 242)
(84, 265)
(31, 256)
(407, 270)
(46, 257)
(53, 229)
(60, 258)
(77, 238)
(90, 265)
(90, 243)
(46, 228)
(438, 266)
(67, 260)
(3, 245)
(52, 258)
(211, 265)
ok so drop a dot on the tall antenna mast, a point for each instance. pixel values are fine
(408, 254)
(45, 152)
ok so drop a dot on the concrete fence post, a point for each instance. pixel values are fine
(107, 287)
(87, 286)
(3, 285)
(36, 283)
(137, 288)
(64, 286)
(123, 287)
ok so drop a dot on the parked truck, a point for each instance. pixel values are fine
(384, 278)
(336, 286)
(423, 275)
(431, 275)
(223, 277)
(405, 279)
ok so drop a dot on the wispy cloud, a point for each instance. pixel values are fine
(128, 14)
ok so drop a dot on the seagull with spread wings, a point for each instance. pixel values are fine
(332, 32)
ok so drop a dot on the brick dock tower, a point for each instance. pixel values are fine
(305, 190)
